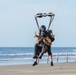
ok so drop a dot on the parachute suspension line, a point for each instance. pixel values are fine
(55, 12)
(51, 15)
(56, 9)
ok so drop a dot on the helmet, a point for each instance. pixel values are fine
(43, 27)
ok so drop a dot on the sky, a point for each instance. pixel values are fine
(18, 25)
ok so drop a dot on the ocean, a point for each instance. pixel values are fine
(24, 55)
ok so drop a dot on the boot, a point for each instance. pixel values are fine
(34, 64)
(51, 63)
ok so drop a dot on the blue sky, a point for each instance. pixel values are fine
(17, 23)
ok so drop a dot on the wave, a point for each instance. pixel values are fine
(14, 59)
(31, 54)
(19, 54)
(61, 53)
(31, 59)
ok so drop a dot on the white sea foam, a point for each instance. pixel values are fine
(12, 59)
(19, 54)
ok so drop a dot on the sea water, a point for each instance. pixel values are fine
(24, 55)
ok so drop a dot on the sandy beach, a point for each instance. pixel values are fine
(40, 69)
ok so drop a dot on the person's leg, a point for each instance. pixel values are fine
(36, 54)
(44, 49)
(36, 51)
(50, 55)
(51, 61)
(35, 62)
(42, 53)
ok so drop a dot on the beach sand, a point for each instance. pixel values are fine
(40, 69)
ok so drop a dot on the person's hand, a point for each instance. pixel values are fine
(52, 35)
(44, 40)
(47, 41)
(35, 35)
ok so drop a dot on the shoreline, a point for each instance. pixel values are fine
(40, 69)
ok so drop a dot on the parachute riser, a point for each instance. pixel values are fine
(51, 19)
(40, 15)
(37, 22)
